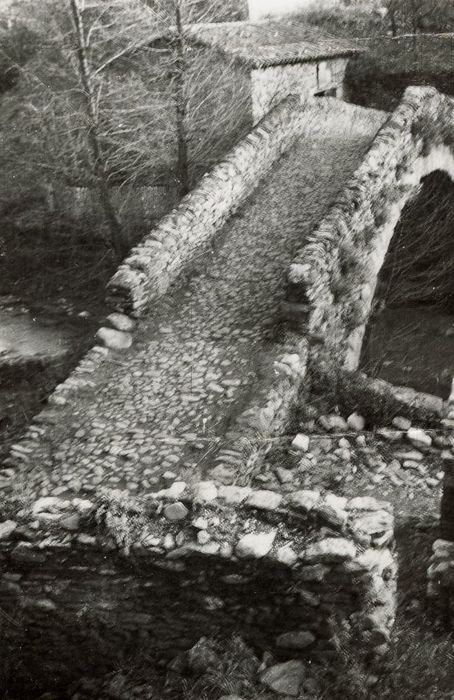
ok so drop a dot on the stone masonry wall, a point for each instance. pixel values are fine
(440, 579)
(288, 571)
(332, 279)
(375, 398)
(270, 85)
(440, 574)
(157, 261)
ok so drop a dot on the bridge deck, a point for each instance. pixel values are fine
(162, 405)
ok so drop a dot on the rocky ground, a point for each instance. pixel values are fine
(398, 462)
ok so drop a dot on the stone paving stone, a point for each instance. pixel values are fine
(166, 402)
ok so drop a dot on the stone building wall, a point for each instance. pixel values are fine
(270, 85)
(288, 571)
(333, 277)
(219, 10)
(440, 574)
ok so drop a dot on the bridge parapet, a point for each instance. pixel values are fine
(292, 570)
(158, 260)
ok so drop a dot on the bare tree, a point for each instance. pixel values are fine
(69, 108)
(195, 76)
(117, 97)
(93, 136)
(180, 99)
(418, 16)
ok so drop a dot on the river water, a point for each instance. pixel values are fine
(412, 346)
(25, 335)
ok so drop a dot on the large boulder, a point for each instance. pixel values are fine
(285, 678)
(113, 339)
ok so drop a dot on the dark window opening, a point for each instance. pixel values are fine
(331, 92)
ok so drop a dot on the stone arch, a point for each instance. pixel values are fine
(334, 276)
(421, 249)
(407, 341)
(439, 159)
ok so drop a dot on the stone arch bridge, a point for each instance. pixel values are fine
(198, 367)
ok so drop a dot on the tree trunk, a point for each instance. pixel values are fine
(414, 28)
(392, 16)
(117, 241)
(392, 20)
(180, 100)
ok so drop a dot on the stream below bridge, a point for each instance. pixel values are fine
(412, 346)
(25, 335)
(37, 350)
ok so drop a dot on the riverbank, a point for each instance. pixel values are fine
(52, 286)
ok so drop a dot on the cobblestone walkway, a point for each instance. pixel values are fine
(159, 407)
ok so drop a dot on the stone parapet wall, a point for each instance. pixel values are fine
(333, 277)
(440, 581)
(34, 444)
(158, 260)
(152, 265)
(269, 408)
(377, 398)
(292, 572)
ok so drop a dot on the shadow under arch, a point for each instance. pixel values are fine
(410, 335)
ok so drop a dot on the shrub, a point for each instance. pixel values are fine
(18, 45)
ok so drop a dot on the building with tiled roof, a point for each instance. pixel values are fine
(264, 44)
(282, 57)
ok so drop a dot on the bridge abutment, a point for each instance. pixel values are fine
(295, 573)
